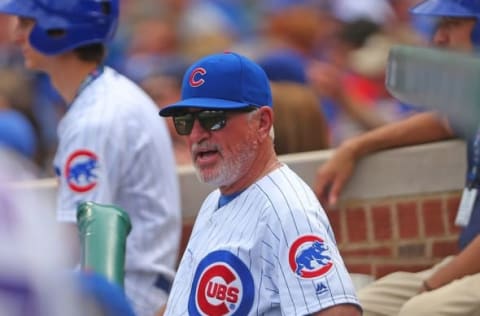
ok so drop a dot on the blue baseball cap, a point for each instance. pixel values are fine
(226, 81)
(452, 8)
(284, 66)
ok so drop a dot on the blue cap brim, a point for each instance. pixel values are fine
(441, 8)
(203, 103)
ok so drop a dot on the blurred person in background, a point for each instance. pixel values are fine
(18, 130)
(154, 42)
(330, 75)
(324, 38)
(48, 107)
(164, 86)
(349, 74)
(110, 139)
(299, 122)
(451, 287)
(406, 28)
(350, 81)
(377, 11)
(10, 56)
(296, 29)
(220, 33)
(37, 100)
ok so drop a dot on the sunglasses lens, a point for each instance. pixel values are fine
(183, 123)
(209, 120)
(212, 120)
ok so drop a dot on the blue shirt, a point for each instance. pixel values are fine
(17, 133)
(473, 228)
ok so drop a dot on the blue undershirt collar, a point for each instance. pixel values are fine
(225, 199)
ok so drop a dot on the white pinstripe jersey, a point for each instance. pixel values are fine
(115, 149)
(269, 251)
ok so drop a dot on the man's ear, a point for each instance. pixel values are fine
(265, 122)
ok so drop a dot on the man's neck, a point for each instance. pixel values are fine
(69, 75)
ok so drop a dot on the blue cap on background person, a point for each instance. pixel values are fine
(284, 66)
(450, 8)
(225, 81)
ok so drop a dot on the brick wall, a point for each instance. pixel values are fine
(409, 233)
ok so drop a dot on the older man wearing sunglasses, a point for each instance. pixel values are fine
(261, 244)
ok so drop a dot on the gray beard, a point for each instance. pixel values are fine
(230, 170)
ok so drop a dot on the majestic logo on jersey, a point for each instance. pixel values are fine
(321, 289)
(79, 170)
(196, 79)
(222, 285)
(308, 257)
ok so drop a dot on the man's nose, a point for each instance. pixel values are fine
(198, 133)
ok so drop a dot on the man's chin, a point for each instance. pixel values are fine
(215, 180)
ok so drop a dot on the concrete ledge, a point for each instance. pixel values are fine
(428, 168)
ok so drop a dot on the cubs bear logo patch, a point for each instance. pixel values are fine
(309, 257)
(80, 170)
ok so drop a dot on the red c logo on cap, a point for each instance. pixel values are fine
(194, 81)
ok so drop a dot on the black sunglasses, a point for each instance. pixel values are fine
(210, 120)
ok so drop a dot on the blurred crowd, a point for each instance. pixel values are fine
(325, 58)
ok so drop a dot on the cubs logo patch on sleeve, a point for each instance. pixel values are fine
(80, 170)
(222, 285)
(309, 257)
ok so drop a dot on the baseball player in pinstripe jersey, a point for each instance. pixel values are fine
(112, 147)
(261, 244)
